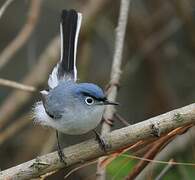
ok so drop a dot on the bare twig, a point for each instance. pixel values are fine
(89, 150)
(158, 161)
(79, 167)
(24, 34)
(4, 7)
(45, 176)
(121, 119)
(115, 74)
(16, 85)
(164, 171)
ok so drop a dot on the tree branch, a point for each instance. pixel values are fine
(16, 85)
(115, 75)
(90, 150)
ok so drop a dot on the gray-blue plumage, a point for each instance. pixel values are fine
(70, 107)
(67, 93)
(66, 108)
(91, 89)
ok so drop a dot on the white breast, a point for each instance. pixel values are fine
(73, 123)
(81, 121)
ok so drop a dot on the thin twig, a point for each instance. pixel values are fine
(115, 74)
(90, 150)
(121, 119)
(4, 7)
(23, 35)
(16, 85)
(165, 169)
(79, 167)
(45, 176)
(158, 161)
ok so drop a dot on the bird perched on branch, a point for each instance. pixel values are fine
(68, 106)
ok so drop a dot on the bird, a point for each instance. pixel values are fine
(68, 106)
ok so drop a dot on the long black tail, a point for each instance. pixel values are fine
(69, 27)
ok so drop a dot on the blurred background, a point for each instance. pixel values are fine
(158, 72)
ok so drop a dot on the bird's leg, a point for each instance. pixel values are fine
(60, 153)
(101, 141)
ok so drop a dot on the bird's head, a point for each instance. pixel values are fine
(92, 95)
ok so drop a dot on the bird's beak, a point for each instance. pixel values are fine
(107, 102)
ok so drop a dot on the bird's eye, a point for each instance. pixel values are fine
(89, 100)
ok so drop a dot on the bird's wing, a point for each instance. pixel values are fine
(69, 31)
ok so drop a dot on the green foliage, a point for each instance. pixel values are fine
(120, 167)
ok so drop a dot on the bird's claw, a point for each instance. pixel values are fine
(60, 153)
(62, 156)
(101, 141)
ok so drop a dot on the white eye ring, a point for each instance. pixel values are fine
(89, 100)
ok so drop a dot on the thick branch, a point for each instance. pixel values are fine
(89, 150)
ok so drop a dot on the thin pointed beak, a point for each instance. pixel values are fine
(107, 102)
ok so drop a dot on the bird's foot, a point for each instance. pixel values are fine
(101, 141)
(60, 152)
(62, 156)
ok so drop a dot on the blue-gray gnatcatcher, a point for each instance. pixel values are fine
(70, 107)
